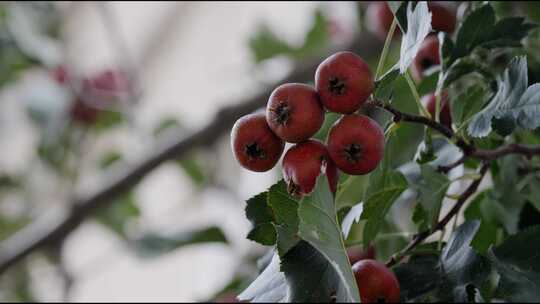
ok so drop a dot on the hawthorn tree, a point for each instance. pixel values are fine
(479, 115)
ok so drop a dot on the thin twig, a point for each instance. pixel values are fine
(422, 236)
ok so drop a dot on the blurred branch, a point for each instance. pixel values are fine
(59, 223)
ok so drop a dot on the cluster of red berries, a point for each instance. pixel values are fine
(295, 112)
(104, 88)
(379, 19)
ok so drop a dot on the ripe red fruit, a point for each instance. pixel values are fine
(379, 19)
(294, 112)
(443, 17)
(344, 82)
(376, 282)
(427, 57)
(356, 144)
(430, 102)
(302, 164)
(356, 254)
(83, 113)
(254, 145)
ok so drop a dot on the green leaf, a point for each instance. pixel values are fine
(384, 87)
(526, 112)
(432, 189)
(154, 245)
(418, 276)
(193, 168)
(316, 37)
(517, 261)
(329, 120)
(260, 215)
(109, 158)
(319, 227)
(264, 44)
(509, 32)
(507, 101)
(286, 221)
(465, 66)
(352, 190)
(487, 233)
(461, 265)
(270, 286)
(379, 202)
(399, 9)
(107, 120)
(166, 124)
(119, 214)
(310, 276)
(474, 30)
(418, 27)
(467, 104)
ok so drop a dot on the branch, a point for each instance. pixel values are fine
(59, 223)
(422, 236)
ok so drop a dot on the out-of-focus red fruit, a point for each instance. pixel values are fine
(83, 113)
(430, 102)
(356, 254)
(426, 58)
(302, 164)
(356, 144)
(344, 82)
(443, 16)
(254, 145)
(376, 283)
(379, 19)
(59, 74)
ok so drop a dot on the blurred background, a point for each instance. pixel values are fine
(91, 90)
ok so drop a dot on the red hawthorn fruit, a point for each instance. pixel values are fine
(356, 144)
(344, 82)
(356, 254)
(379, 19)
(376, 283)
(294, 112)
(443, 17)
(427, 57)
(83, 113)
(430, 102)
(254, 145)
(302, 164)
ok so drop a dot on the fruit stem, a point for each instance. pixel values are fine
(416, 96)
(386, 48)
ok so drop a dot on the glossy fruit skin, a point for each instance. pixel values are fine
(379, 19)
(302, 165)
(344, 82)
(427, 57)
(254, 145)
(356, 254)
(294, 112)
(443, 17)
(430, 102)
(376, 282)
(356, 144)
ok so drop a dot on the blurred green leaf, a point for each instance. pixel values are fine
(192, 167)
(119, 214)
(467, 104)
(109, 159)
(286, 221)
(107, 120)
(487, 233)
(166, 124)
(154, 245)
(517, 262)
(418, 276)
